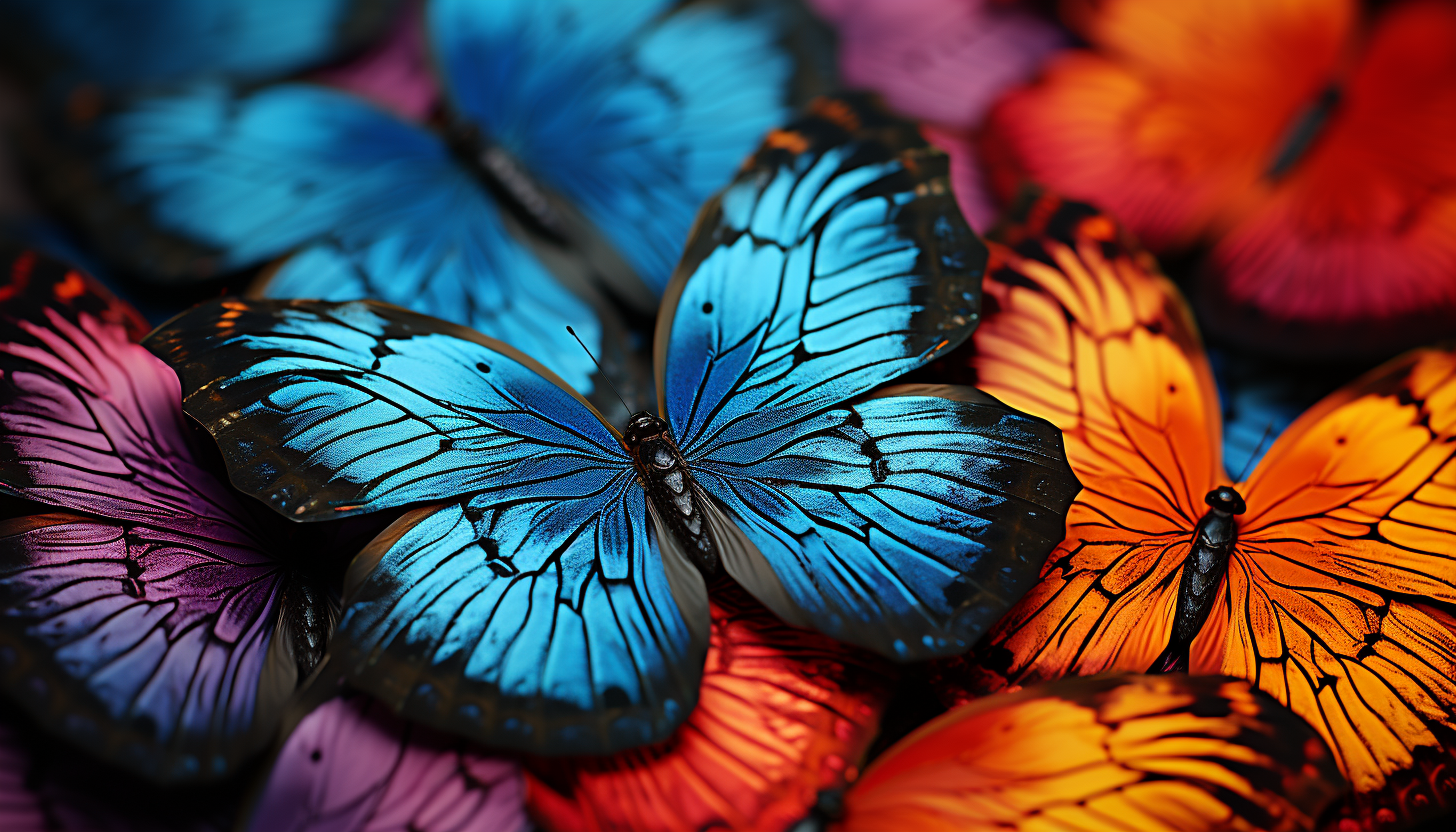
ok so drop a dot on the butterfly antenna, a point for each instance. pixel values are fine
(600, 370)
(1258, 449)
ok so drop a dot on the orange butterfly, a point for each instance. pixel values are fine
(1147, 753)
(783, 713)
(1326, 578)
(1311, 145)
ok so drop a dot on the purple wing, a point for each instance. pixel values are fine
(351, 764)
(943, 61)
(164, 630)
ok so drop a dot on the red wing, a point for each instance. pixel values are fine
(1345, 558)
(783, 714)
(1081, 330)
(33, 282)
(1149, 753)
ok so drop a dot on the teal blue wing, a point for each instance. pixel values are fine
(532, 610)
(377, 208)
(635, 111)
(537, 616)
(835, 262)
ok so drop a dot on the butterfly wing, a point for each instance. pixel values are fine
(146, 631)
(1192, 754)
(379, 207)
(351, 764)
(1343, 565)
(651, 108)
(1081, 330)
(533, 611)
(836, 261)
(941, 62)
(122, 45)
(784, 713)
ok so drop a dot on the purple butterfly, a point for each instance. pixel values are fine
(352, 764)
(146, 613)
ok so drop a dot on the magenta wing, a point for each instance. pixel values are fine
(154, 620)
(352, 764)
(942, 61)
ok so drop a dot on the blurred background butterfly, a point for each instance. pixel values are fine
(1327, 578)
(559, 174)
(548, 604)
(1308, 146)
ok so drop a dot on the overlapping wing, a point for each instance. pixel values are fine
(635, 111)
(1344, 576)
(1149, 753)
(329, 409)
(537, 616)
(784, 713)
(155, 631)
(351, 764)
(1081, 330)
(378, 207)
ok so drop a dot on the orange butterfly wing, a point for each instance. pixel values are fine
(1080, 330)
(783, 714)
(1121, 752)
(1176, 112)
(1350, 535)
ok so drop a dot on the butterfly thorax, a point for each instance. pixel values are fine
(1204, 568)
(670, 489)
(508, 181)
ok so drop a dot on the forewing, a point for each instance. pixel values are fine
(1082, 331)
(1118, 752)
(329, 409)
(538, 616)
(784, 714)
(351, 764)
(905, 523)
(835, 261)
(634, 111)
(1346, 569)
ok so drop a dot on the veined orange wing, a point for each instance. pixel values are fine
(1081, 330)
(1147, 753)
(1335, 590)
(783, 714)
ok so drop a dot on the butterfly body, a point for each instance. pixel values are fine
(664, 474)
(507, 180)
(1203, 571)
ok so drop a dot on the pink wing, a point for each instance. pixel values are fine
(395, 73)
(351, 764)
(943, 61)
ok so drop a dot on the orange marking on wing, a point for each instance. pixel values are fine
(832, 109)
(72, 286)
(790, 140)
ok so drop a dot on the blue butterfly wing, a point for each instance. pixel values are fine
(837, 261)
(379, 208)
(636, 111)
(533, 610)
(131, 43)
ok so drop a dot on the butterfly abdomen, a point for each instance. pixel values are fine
(669, 486)
(1203, 570)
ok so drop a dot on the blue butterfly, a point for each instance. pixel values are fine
(130, 44)
(555, 601)
(579, 139)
